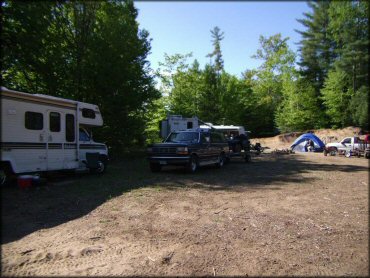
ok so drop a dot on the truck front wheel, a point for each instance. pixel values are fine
(221, 160)
(192, 166)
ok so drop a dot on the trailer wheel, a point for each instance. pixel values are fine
(248, 158)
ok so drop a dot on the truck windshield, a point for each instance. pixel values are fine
(84, 136)
(176, 137)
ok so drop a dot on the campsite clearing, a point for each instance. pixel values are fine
(289, 214)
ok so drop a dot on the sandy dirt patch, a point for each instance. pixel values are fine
(326, 135)
(297, 214)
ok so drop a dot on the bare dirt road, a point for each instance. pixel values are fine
(296, 214)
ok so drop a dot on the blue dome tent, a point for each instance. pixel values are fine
(299, 144)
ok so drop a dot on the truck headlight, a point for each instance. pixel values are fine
(182, 150)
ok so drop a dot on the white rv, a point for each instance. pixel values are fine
(177, 123)
(44, 133)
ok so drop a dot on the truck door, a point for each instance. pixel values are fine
(205, 149)
(55, 139)
(347, 142)
(217, 144)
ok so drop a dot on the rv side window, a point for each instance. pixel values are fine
(54, 122)
(33, 121)
(70, 128)
(88, 113)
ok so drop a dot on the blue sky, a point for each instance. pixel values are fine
(183, 27)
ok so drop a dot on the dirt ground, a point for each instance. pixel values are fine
(283, 214)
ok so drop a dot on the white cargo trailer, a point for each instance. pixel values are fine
(44, 133)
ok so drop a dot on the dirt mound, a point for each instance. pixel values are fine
(326, 135)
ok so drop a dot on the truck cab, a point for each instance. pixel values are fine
(347, 146)
(190, 149)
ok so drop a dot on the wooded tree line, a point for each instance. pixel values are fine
(328, 89)
(91, 51)
(95, 52)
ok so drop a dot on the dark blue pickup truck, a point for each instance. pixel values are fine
(191, 149)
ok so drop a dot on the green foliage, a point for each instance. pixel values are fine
(337, 94)
(157, 111)
(317, 48)
(299, 108)
(87, 51)
(277, 66)
(95, 52)
(335, 58)
(359, 105)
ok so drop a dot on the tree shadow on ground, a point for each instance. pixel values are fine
(67, 197)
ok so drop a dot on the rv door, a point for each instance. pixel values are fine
(61, 140)
(55, 139)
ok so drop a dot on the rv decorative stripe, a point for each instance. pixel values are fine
(55, 146)
(70, 146)
(92, 146)
(22, 145)
(52, 146)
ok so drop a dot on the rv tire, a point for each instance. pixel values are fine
(6, 174)
(102, 167)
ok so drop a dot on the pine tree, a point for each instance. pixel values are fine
(217, 36)
(317, 47)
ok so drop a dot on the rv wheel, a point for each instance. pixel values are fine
(2, 177)
(7, 176)
(102, 167)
